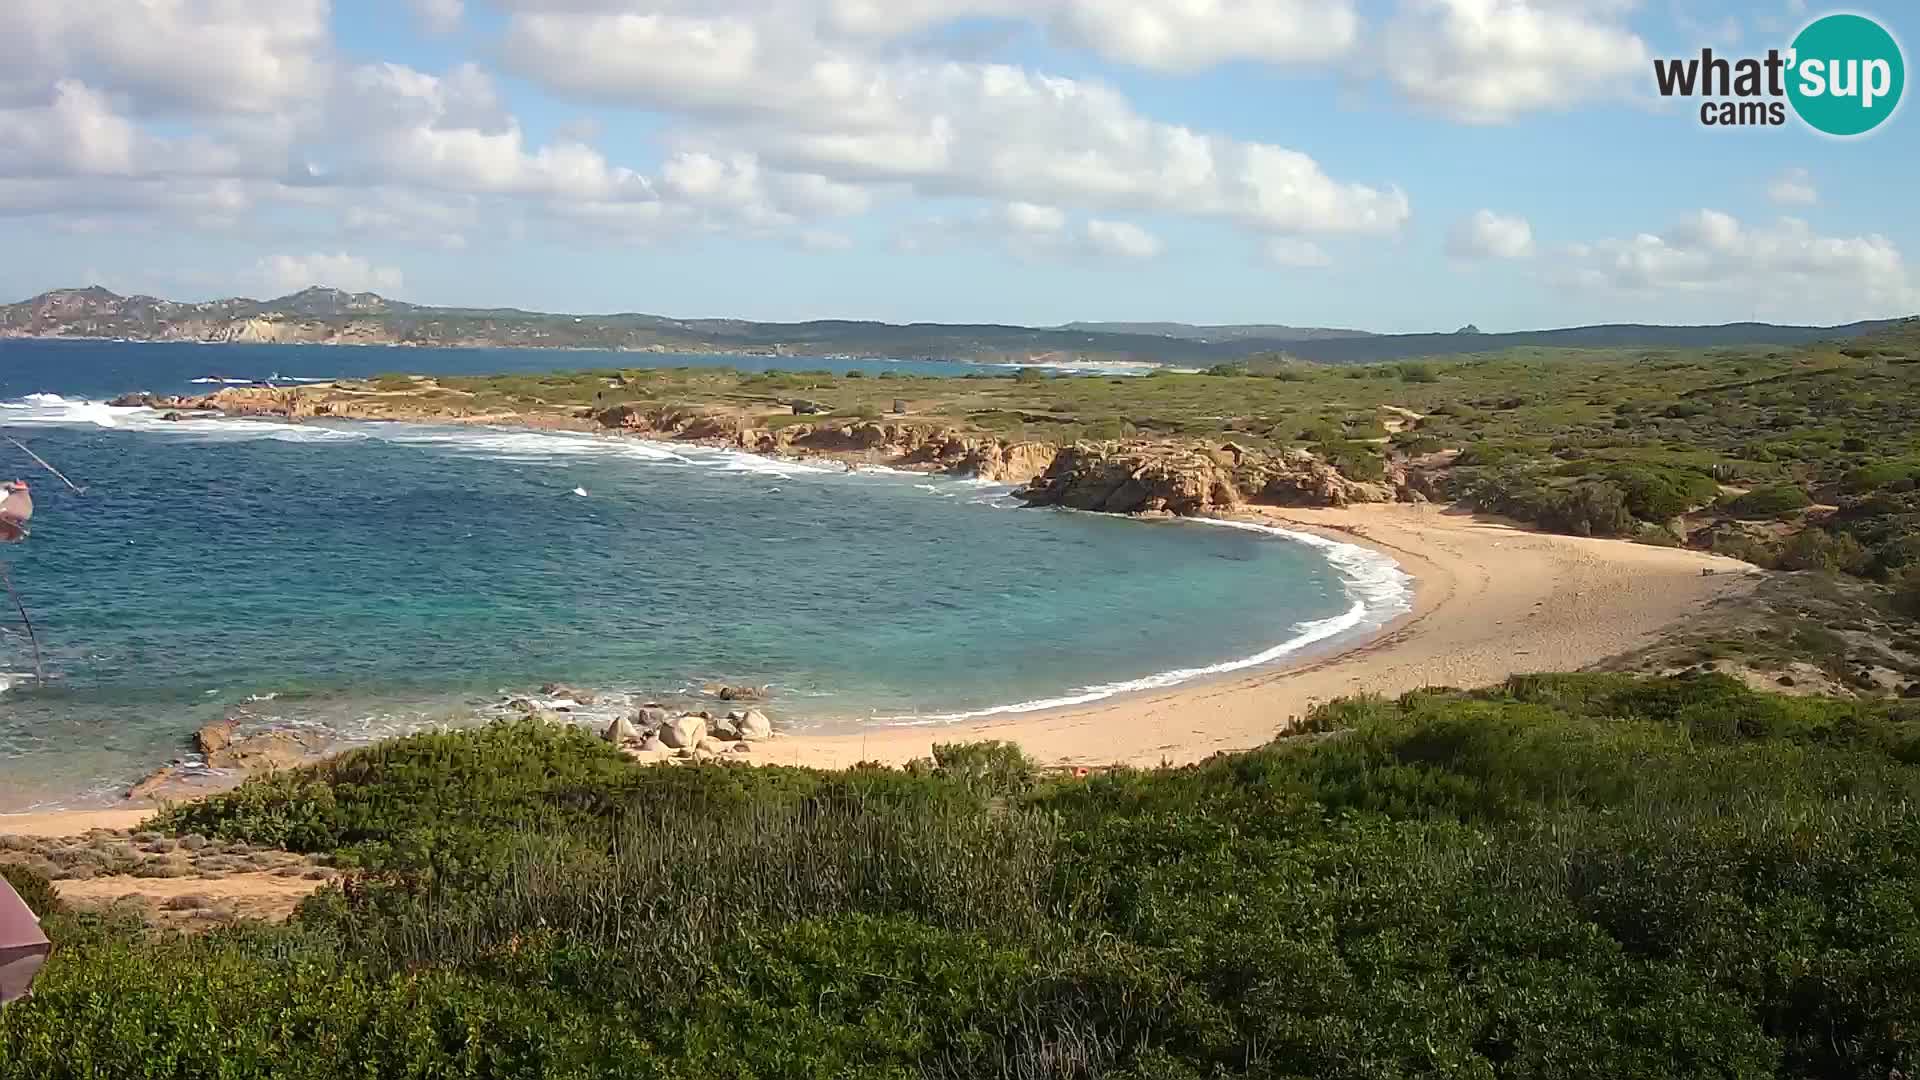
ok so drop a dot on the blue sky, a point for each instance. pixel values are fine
(1392, 165)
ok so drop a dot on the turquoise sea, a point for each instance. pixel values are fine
(366, 579)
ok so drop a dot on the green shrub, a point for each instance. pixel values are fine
(1779, 500)
(1814, 548)
(1565, 875)
(34, 888)
(992, 767)
(1660, 495)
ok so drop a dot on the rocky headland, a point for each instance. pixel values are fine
(1124, 476)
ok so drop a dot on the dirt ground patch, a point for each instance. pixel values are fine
(190, 902)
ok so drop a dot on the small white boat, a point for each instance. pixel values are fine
(580, 491)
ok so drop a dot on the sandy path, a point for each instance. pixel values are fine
(252, 895)
(1492, 600)
(71, 822)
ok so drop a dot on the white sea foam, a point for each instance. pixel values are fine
(52, 410)
(1379, 589)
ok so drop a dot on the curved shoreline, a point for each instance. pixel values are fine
(1491, 600)
(1384, 599)
(1574, 600)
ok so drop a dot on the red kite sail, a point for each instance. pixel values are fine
(15, 511)
(23, 948)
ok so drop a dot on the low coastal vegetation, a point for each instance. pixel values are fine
(1567, 875)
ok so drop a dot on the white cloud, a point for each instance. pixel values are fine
(216, 56)
(1794, 187)
(76, 132)
(451, 132)
(1187, 35)
(1035, 232)
(1121, 239)
(439, 16)
(1487, 61)
(801, 103)
(1025, 217)
(1295, 253)
(1177, 36)
(282, 274)
(1487, 235)
(1785, 268)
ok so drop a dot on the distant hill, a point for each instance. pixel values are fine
(331, 316)
(1233, 332)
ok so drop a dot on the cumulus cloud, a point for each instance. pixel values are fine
(1785, 266)
(1154, 34)
(1121, 239)
(1794, 187)
(782, 115)
(802, 103)
(1487, 235)
(290, 273)
(1487, 61)
(216, 56)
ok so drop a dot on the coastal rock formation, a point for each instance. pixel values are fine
(269, 750)
(1124, 477)
(216, 736)
(232, 753)
(1148, 477)
(573, 694)
(911, 445)
(1118, 478)
(683, 732)
(751, 726)
(727, 692)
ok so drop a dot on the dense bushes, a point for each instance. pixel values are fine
(1657, 495)
(33, 887)
(1588, 876)
(1765, 502)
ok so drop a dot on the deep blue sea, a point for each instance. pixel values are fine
(365, 579)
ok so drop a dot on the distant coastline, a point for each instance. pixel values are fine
(321, 316)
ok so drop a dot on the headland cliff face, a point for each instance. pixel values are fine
(1130, 476)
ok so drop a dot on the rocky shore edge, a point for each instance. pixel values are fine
(235, 747)
(1131, 476)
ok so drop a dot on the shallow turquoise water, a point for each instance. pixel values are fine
(373, 578)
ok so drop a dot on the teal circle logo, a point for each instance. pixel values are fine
(1847, 75)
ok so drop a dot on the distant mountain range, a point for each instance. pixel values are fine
(331, 316)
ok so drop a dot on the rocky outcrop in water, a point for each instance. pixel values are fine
(650, 734)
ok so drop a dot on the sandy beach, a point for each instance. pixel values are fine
(1491, 600)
